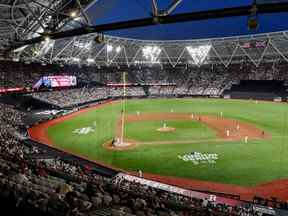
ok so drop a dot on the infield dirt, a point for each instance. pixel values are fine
(237, 130)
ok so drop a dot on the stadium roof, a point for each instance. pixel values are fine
(107, 11)
(24, 19)
(119, 51)
(47, 32)
(30, 21)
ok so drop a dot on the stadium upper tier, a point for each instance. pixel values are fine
(118, 51)
(16, 74)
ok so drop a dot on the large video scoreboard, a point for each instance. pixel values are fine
(56, 81)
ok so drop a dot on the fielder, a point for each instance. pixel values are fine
(140, 173)
(227, 133)
(238, 127)
(164, 125)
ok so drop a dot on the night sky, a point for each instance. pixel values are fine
(108, 11)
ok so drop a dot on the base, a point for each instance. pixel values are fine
(118, 145)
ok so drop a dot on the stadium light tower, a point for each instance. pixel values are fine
(199, 53)
(109, 48)
(151, 54)
(118, 49)
(75, 59)
(90, 60)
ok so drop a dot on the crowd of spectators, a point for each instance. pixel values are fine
(186, 80)
(71, 97)
(76, 96)
(16, 74)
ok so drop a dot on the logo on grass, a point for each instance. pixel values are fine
(83, 131)
(199, 158)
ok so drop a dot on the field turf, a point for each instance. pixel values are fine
(244, 164)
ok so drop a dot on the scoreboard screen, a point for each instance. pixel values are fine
(56, 81)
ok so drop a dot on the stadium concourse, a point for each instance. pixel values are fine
(59, 57)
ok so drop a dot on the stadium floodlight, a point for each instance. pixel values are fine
(77, 18)
(44, 47)
(199, 53)
(151, 54)
(83, 44)
(90, 60)
(47, 38)
(118, 49)
(76, 59)
(35, 52)
(73, 14)
(109, 48)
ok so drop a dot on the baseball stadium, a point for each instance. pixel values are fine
(144, 108)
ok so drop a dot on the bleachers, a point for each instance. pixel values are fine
(257, 89)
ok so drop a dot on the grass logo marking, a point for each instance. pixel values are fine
(196, 158)
(85, 130)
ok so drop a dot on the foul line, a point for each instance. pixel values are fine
(194, 141)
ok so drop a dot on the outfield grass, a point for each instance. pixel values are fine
(238, 163)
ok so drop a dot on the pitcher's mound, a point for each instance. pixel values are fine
(166, 129)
